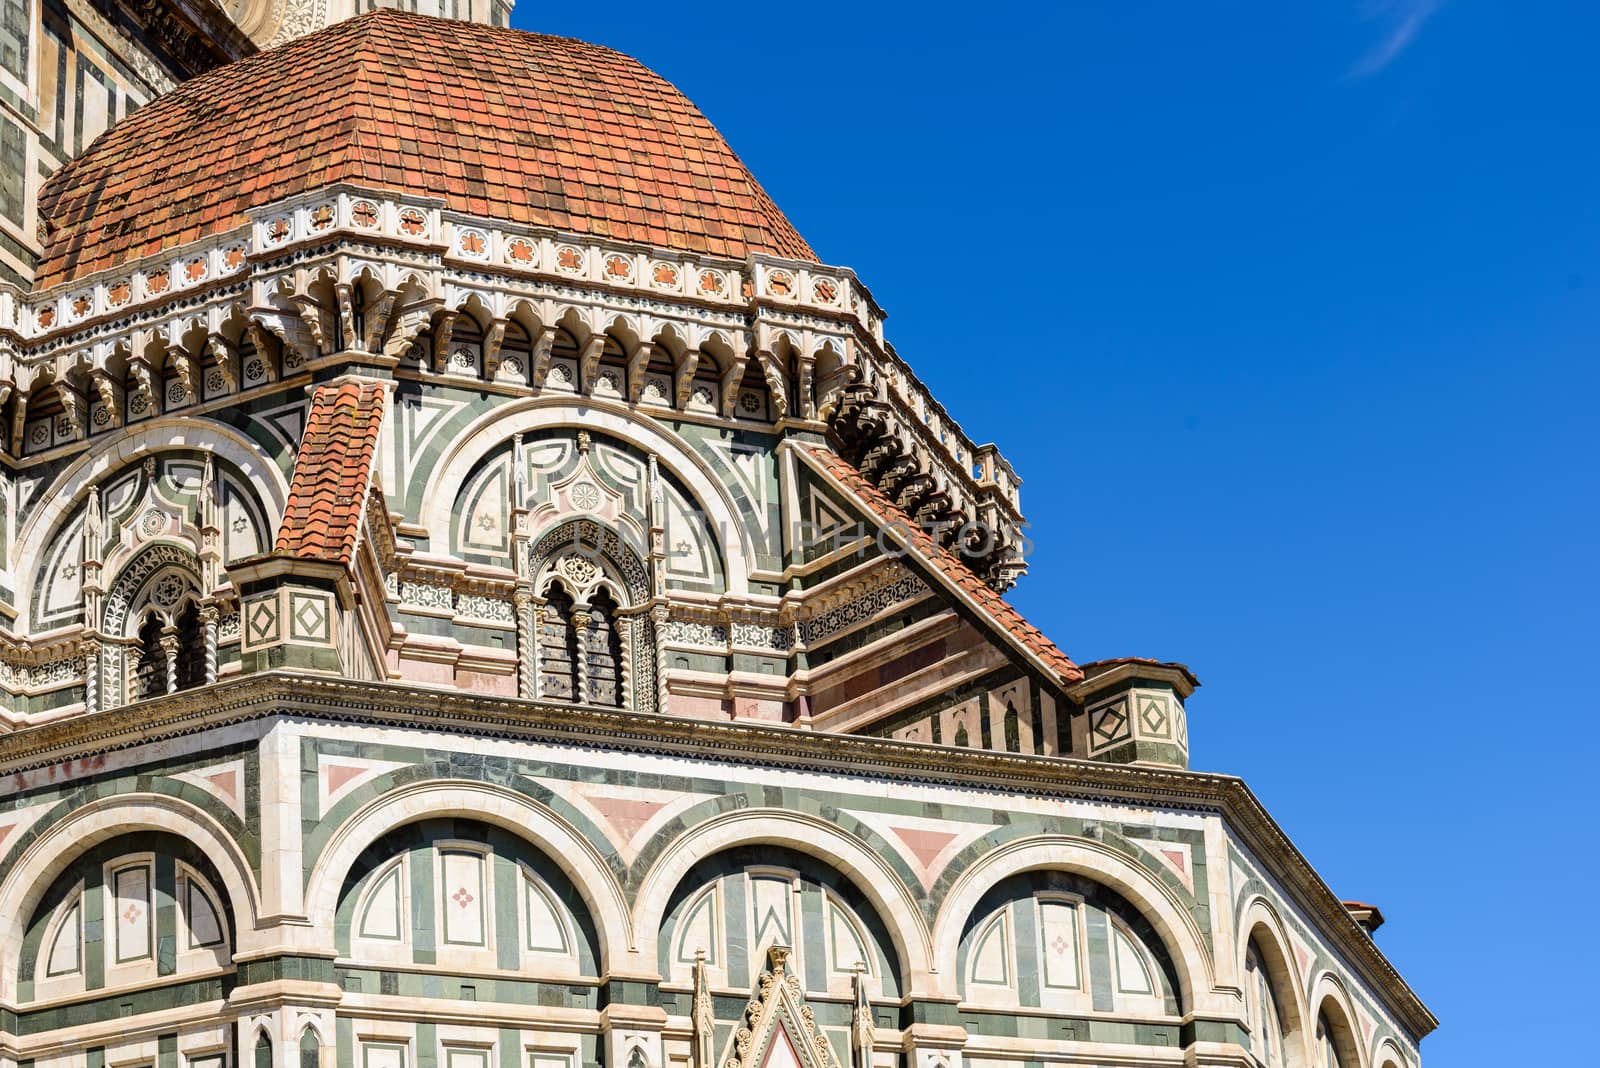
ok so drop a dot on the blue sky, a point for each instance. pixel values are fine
(1289, 324)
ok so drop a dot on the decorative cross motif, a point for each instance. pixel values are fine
(462, 897)
(1060, 945)
(131, 914)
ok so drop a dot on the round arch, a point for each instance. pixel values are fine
(899, 912)
(1390, 1055)
(1261, 923)
(496, 427)
(1092, 860)
(522, 816)
(69, 488)
(66, 839)
(1330, 1000)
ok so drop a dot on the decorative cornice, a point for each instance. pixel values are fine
(280, 693)
(813, 331)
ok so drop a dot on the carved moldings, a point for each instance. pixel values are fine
(779, 1006)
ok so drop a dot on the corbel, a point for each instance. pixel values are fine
(493, 338)
(142, 380)
(636, 365)
(345, 294)
(541, 357)
(683, 377)
(377, 320)
(76, 408)
(185, 367)
(444, 326)
(731, 377)
(226, 356)
(589, 362)
(110, 393)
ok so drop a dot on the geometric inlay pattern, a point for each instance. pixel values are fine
(308, 617)
(261, 622)
(1108, 724)
(1153, 714)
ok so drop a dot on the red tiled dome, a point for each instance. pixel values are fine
(529, 129)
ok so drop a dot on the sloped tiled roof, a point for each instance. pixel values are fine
(332, 472)
(519, 127)
(989, 603)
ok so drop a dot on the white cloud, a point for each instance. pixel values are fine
(1402, 20)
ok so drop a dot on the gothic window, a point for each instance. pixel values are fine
(150, 669)
(191, 648)
(558, 646)
(154, 672)
(310, 1049)
(604, 652)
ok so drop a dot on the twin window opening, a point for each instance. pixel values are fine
(171, 656)
(580, 648)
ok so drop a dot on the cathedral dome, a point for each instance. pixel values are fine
(514, 126)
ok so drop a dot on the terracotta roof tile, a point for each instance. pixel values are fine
(1006, 618)
(475, 114)
(332, 472)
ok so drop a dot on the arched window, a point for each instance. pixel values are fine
(150, 669)
(603, 650)
(310, 1049)
(191, 663)
(558, 646)
(1327, 1048)
(155, 672)
(1266, 1022)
